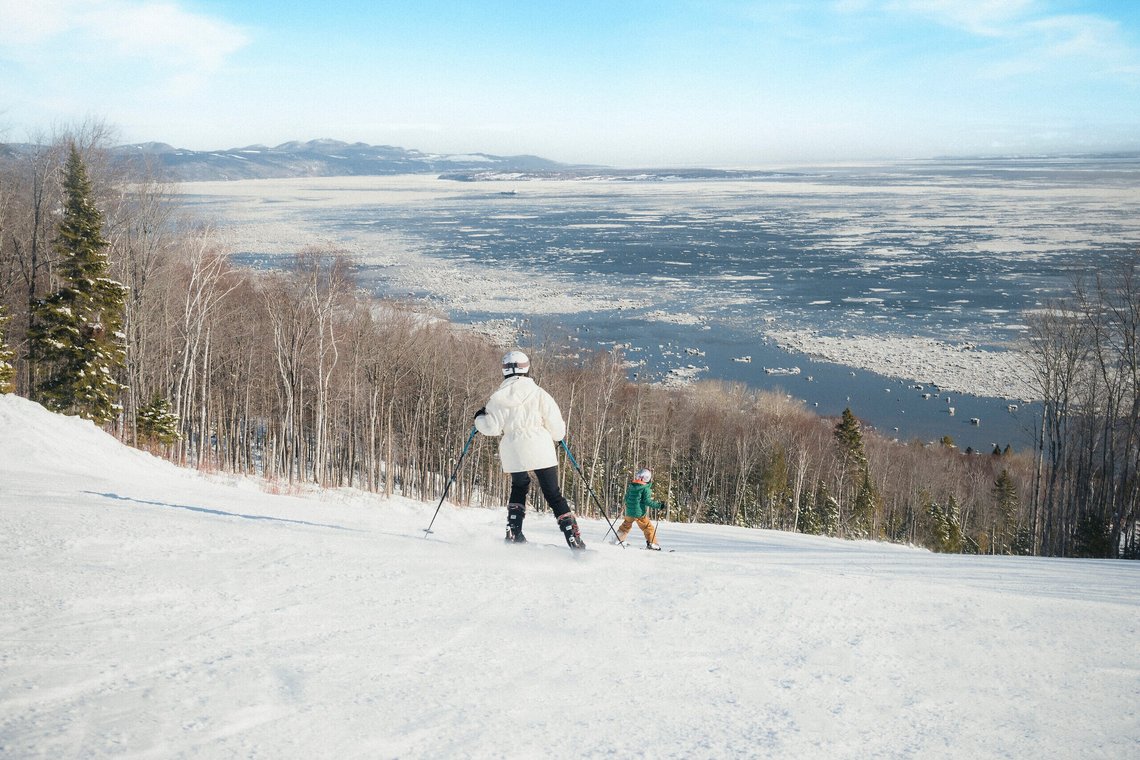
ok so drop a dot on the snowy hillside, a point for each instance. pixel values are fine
(148, 612)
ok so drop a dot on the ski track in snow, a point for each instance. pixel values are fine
(150, 612)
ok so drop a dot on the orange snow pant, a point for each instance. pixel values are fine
(643, 522)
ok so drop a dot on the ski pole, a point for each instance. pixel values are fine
(665, 509)
(447, 486)
(590, 491)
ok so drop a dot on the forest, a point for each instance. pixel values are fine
(117, 306)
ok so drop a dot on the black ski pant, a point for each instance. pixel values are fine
(548, 481)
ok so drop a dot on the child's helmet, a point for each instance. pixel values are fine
(515, 363)
(642, 476)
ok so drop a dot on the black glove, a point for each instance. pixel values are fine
(482, 411)
(662, 507)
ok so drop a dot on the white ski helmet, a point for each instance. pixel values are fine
(644, 475)
(515, 363)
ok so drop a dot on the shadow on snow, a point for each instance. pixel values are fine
(220, 513)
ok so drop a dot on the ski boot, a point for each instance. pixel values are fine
(515, 515)
(652, 546)
(569, 527)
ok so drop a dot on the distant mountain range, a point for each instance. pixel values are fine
(315, 158)
(333, 158)
(320, 158)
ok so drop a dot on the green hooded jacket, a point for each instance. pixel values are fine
(639, 499)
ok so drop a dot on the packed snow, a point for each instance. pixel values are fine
(151, 612)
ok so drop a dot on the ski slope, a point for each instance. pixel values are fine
(149, 612)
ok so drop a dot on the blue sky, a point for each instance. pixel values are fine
(630, 83)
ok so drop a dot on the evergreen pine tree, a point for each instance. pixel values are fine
(955, 541)
(863, 511)
(7, 357)
(896, 523)
(1092, 538)
(945, 528)
(827, 508)
(77, 333)
(1005, 494)
(1022, 542)
(939, 530)
(861, 493)
(850, 439)
(810, 521)
(157, 423)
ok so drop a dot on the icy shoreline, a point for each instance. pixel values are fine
(959, 367)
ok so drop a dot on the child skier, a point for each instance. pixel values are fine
(638, 501)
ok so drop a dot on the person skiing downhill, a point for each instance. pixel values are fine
(530, 423)
(638, 501)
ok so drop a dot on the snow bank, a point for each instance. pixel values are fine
(146, 612)
(36, 441)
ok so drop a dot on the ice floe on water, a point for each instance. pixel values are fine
(960, 367)
(681, 376)
(675, 318)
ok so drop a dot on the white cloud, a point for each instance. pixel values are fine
(26, 23)
(163, 33)
(1087, 42)
(1033, 39)
(158, 30)
(988, 18)
(1090, 36)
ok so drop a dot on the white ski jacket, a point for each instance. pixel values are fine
(530, 422)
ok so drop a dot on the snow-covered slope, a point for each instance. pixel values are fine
(148, 612)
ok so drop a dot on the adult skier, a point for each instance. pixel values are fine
(530, 422)
(638, 501)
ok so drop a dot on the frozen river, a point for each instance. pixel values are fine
(900, 291)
